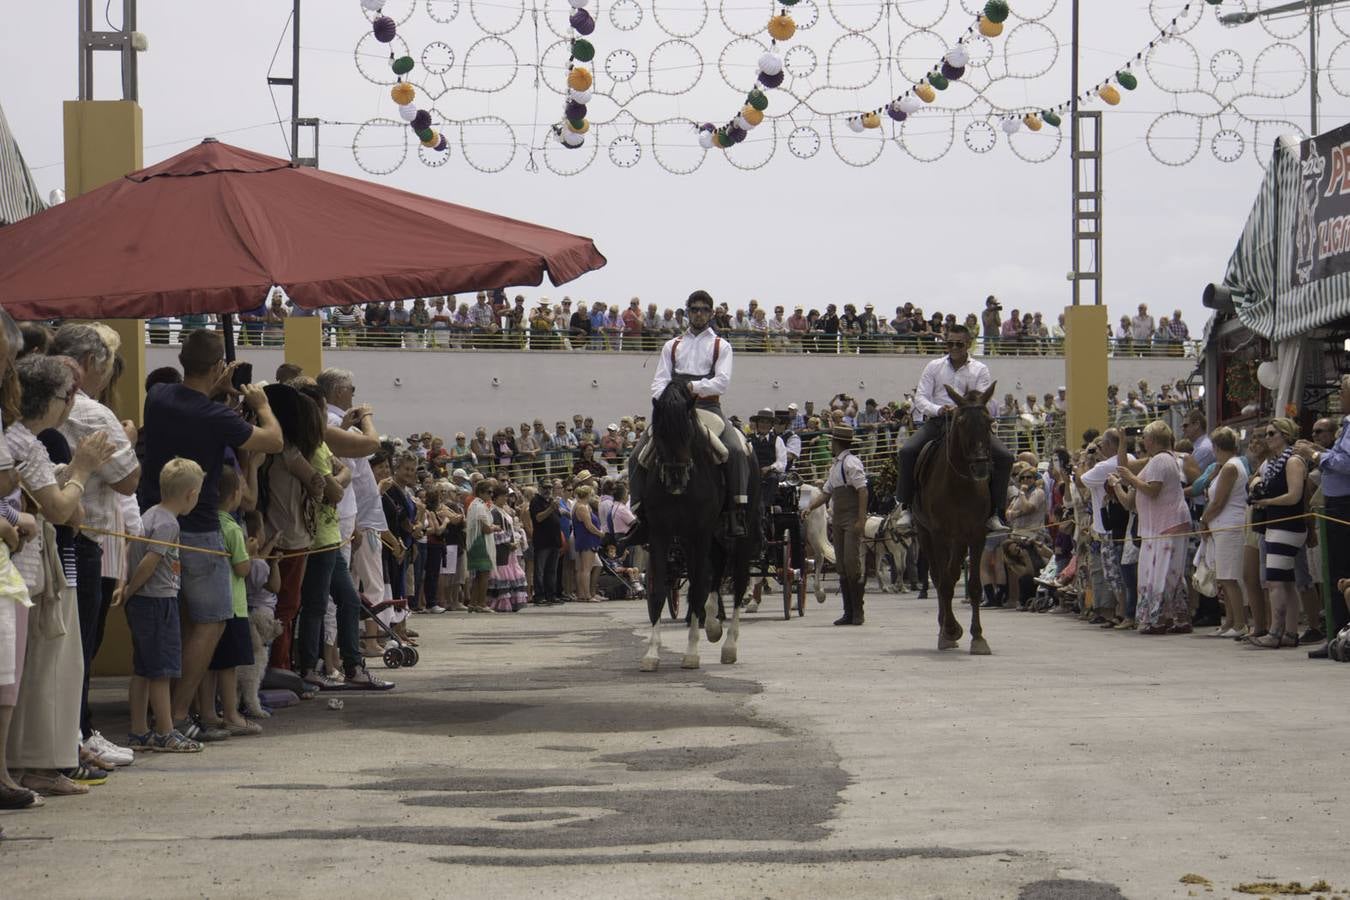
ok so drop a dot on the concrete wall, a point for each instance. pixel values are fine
(447, 391)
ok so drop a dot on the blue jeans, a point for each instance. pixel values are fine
(1130, 574)
(419, 573)
(326, 574)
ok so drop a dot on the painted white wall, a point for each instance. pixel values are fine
(444, 392)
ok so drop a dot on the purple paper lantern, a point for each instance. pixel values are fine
(895, 112)
(421, 120)
(385, 29)
(770, 81)
(441, 145)
(707, 126)
(736, 133)
(574, 110)
(951, 72)
(582, 22)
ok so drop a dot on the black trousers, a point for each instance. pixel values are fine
(1338, 540)
(93, 596)
(929, 431)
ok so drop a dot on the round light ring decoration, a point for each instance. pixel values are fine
(739, 63)
(926, 138)
(855, 57)
(380, 145)
(488, 143)
(625, 151)
(1226, 66)
(804, 142)
(431, 158)
(1028, 10)
(1174, 138)
(442, 11)
(621, 65)
(398, 10)
(490, 65)
(860, 18)
(1227, 145)
(497, 17)
(565, 161)
(980, 136)
(926, 14)
(625, 15)
(1036, 146)
(1337, 65)
(674, 67)
(915, 53)
(806, 14)
(672, 149)
(1187, 17)
(438, 58)
(1029, 51)
(800, 61)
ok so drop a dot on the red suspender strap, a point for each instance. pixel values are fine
(673, 347)
(717, 348)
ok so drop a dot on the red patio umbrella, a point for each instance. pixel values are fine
(212, 229)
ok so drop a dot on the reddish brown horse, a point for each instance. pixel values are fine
(952, 508)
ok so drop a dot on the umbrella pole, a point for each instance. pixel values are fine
(227, 330)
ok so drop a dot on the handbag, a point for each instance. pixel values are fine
(1203, 578)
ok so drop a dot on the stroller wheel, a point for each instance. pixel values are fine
(409, 657)
(393, 657)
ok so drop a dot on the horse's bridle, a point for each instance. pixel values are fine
(674, 477)
(985, 460)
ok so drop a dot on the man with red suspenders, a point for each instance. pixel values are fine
(702, 360)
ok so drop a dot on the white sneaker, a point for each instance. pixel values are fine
(1226, 633)
(106, 749)
(995, 525)
(437, 610)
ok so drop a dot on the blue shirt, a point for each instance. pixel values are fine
(597, 321)
(1335, 465)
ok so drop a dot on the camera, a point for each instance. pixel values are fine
(242, 375)
(1134, 431)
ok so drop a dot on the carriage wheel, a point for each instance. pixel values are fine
(410, 657)
(785, 574)
(801, 591)
(393, 658)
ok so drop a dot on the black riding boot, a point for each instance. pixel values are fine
(858, 603)
(990, 600)
(847, 592)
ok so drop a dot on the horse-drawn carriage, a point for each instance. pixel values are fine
(784, 556)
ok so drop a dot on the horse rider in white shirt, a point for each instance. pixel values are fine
(932, 403)
(702, 360)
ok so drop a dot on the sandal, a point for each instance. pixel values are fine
(53, 785)
(244, 729)
(174, 742)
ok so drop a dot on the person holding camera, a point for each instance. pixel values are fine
(991, 323)
(1108, 584)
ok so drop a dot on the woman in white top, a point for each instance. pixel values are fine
(1226, 514)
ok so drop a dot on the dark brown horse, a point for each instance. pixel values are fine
(952, 509)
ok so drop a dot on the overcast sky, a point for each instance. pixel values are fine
(941, 234)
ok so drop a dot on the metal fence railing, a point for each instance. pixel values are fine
(452, 338)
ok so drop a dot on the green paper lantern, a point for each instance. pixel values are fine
(720, 138)
(577, 124)
(1051, 118)
(996, 11)
(583, 50)
(938, 80)
(424, 134)
(403, 65)
(788, 2)
(1127, 80)
(757, 99)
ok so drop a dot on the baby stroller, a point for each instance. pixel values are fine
(615, 583)
(402, 654)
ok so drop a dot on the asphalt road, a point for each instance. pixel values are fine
(527, 756)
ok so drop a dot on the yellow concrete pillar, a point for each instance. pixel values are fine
(103, 141)
(304, 343)
(1085, 370)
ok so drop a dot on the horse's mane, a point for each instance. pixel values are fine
(672, 422)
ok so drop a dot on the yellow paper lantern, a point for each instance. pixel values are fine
(585, 127)
(924, 91)
(579, 79)
(403, 93)
(1109, 94)
(752, 115)
(1032, 121)
(781, 27)
(871, 120)
(433, 140)
(990, 29)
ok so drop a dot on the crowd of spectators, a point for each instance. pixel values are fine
(492, 321)
(1171, 530)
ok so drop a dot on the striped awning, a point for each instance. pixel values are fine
(19, 196)
(1269, 273)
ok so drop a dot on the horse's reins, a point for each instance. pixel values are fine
(951, 441)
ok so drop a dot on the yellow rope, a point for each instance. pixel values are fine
(145, 540)
(1201, 532)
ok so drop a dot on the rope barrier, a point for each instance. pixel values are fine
(289, 554)
(1201, 532)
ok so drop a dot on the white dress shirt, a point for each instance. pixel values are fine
(696, 358)
(931, 395)
(1095, 480)
(847, 470)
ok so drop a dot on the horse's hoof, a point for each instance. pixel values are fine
(689, 662)
(752, 608)
(979, 647)
(728, 655)
(947, 644)
(649, 664)
(820, 596)
(712, 625)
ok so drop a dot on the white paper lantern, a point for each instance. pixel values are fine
(372, 5)
(741, 123)
(1268, 374)
(909, 104)
(705, 139)
(407, 112)
(770, 64)
(571, 139)
(957, 57)
(578, 4)
(855, 125)
(1012, 126)
(582, 97)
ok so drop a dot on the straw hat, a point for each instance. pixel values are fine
(841, 433)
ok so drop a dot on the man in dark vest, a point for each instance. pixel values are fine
(847, 487)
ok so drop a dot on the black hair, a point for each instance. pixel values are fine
(700, 297)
